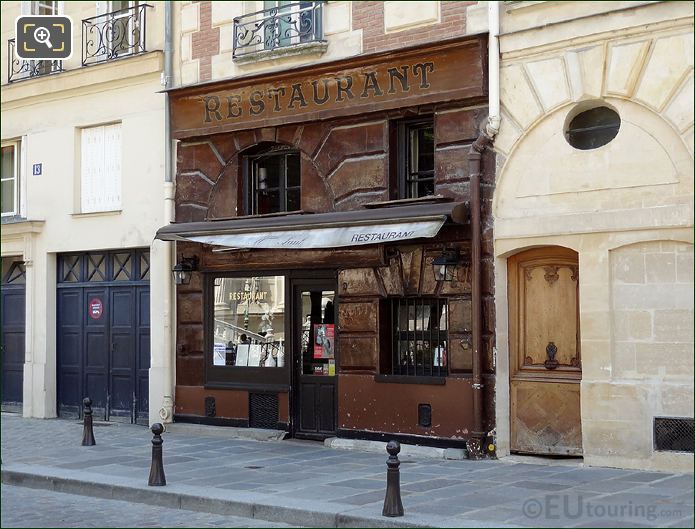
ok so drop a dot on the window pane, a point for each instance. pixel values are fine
(7, 191)
(420, 337)
(8, 162)
(318, 332)
(249, 322)
(293, 171)
(425, 161)
(293, 200)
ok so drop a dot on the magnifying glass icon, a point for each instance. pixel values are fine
(42, 35)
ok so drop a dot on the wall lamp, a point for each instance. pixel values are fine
(445, 265)
(183, 270)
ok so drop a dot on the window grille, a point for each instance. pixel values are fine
(420, 336)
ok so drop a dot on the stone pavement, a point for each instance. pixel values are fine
(44, 508)
(304, 483)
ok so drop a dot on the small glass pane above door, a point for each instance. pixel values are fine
(318, 332)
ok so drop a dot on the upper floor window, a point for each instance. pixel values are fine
(274, 182)
(280, 24)
(416, 158)
(100, 188)
(117, 31)
(9, 179)
(43, 7)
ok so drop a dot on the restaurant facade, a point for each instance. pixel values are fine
(331, 221)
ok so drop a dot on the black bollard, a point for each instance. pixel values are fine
(88, 431)
(157, 478)
(392, 503)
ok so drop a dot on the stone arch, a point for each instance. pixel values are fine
(649, 77)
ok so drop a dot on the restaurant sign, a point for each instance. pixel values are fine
(406, 78)
(323, 237)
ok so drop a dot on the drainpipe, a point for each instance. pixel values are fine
(167, 410)
(485, 139)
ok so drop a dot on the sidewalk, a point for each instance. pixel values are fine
(304, 483)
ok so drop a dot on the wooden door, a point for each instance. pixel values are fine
(545, 357)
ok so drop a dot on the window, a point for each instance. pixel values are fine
(416, 158)
(9, 179)
(274, 182)
(281, 24)
(125, 28)
(43, 7)
(101, 168)
(249, 322)
(419, 337)
(593, 128)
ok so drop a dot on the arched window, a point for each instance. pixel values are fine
(273, 181)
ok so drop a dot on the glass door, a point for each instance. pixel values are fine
(315, 359)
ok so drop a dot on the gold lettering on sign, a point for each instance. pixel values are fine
(337, 89)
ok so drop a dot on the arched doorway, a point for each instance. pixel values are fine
(544, 347)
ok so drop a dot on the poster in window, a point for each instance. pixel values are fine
(324, 340)
(242, 354)
(219, 354)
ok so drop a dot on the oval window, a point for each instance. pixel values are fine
(593, 128)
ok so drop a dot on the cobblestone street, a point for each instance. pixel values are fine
(23, 507)
(305, 483)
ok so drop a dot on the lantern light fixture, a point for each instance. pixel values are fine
(183, 270)
(444, 266)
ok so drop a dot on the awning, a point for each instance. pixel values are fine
(321, 230)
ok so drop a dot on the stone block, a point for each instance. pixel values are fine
(673, 326)
(192, 187)
(337, 17)
(684, 267)
(629, 325)
(624, 359)
(224, 12)
(344, 142)
(456, 126)
(660, 267)
(660, 359)
(316, 197)
(624, 64)
(399, 16)
(550, 81)
(357, 174)
(359, 317)
(189, 18)
(670, 59)
(616, 438)
(451, 164)
(628, 267)
(198, 157)
(680, 109)
(517, 96)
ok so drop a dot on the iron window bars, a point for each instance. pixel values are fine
(277, 27)
(420, 336)
(114, 35)
(20, 69)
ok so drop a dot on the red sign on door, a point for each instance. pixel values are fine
(96, 307)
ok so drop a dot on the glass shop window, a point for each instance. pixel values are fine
(419, 337)
(249, 321)
(416, 158)
(275, 182)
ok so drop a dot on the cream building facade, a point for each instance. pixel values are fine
(625, 209)
(85, 142)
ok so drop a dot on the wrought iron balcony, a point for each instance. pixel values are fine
(278, 27)
(19, 69)
(114, 35)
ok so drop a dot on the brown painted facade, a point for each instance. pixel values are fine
(348, 159)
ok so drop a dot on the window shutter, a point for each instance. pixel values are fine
(112, 166)
(102, 8)
(26, 7)
(101, 168)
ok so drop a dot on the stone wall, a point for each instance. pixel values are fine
(626, 207)
(206, 32)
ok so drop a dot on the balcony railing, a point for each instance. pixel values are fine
(18, 69)
(114, 35)
(278, 27)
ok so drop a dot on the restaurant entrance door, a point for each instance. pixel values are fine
(314, 358)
